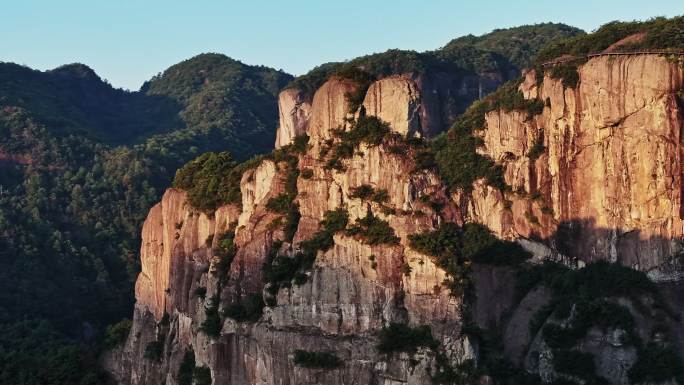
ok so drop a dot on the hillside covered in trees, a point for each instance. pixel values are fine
(80, 165)
(502, 50)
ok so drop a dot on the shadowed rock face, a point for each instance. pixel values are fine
(609, 184)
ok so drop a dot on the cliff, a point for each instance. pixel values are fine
(607, 184)
(337, 255)
(422, 104)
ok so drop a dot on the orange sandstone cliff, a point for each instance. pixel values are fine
(605, 186)
(608, 185)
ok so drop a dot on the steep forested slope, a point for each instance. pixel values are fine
(80, 165)
(502, 51)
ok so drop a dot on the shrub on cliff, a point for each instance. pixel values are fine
(367, 192)
(399, 337)
(508, 97)
(584, 289)
(283, 203)
(608, 279)
(362, 192)
(280, 270)
(317, 360)
(116, 334)
(362, 80)
(335, 220)
(454, 248)
(373, 230)
(537, 149)
(455, 152)
(300, 144)
(225, 251)
(154, 350)
(365, 129)
(279, 204)
(186, 368)
(445, 240)
(458, 163)
(473, 241)
(246, 310)
(599, 313)
(588, 298)
(202, 375)
(567, 73)
(212, 323)
(201, 292)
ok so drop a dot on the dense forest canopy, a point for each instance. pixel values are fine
(655, 34)
(81, 163)
(509, 49)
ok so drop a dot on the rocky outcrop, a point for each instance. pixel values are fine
(395, 100)
(294, 115)
(330, 108)
(172, 232)
(596, 175)
(423, 104)
(353, 290)
(607, 182)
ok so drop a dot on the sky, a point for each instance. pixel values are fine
(129, 41)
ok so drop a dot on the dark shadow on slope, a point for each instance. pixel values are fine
(582, 240)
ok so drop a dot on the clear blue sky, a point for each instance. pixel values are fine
(128, 41)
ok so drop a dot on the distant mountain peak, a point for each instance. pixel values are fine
(76, 70)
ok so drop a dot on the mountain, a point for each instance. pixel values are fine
(82, 162)
(226, 105)
(509, 47)
(537, 241)
(80, 165)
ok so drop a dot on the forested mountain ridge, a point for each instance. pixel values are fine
(80, 164)
(500, 51)
(72, 99)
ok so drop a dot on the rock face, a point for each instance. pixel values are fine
(446, 95)
(395, 100)
(606, 185)
(420, 104)
(171, 233)
(353, 290)
(330, 108)
(294, 116)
